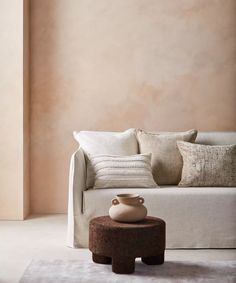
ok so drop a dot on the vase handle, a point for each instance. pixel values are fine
(115, 201)
(141, 200)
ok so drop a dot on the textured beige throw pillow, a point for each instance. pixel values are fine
(166, 160)
(208, 165)
(113, 171)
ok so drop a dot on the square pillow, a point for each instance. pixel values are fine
(166, 160)
(113, 143)
(113, 171)
(208, 165)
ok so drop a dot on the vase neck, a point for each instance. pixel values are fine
(129, 201)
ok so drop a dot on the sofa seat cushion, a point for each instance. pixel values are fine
(193, 215)
(157, 199)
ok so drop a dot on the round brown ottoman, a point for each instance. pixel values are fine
(120, 243)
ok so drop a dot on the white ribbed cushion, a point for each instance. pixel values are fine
(113, 171)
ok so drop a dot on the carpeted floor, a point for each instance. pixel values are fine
(58, 271)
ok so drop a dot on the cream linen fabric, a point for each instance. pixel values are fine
(207, 165)
(117, 143)
(114, 143)
(216, 138)
(166, 159)
(196, 217)
(114, 171)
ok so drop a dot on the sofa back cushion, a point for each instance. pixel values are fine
(208, 165)
(113, 143)
(166, 160)
(216, 138)
(113, 171)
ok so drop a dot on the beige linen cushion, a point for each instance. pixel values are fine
(208, 165)
(166, 160)
(98, 142)
(112, 171)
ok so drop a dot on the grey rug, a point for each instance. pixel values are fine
(59, 271)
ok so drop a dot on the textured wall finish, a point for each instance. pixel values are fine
(14, 185)
(111, 65)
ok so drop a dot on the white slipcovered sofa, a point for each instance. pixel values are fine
(196, 217)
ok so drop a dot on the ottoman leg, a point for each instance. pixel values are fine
(123, 265)
(153, 260)
(101, 259)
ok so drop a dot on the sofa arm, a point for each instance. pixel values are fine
(77, 184)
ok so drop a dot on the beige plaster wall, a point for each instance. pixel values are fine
(111, 65)
(14, 187)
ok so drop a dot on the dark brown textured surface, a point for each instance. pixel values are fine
(123, 242)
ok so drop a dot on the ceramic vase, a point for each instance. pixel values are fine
(128, 208)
